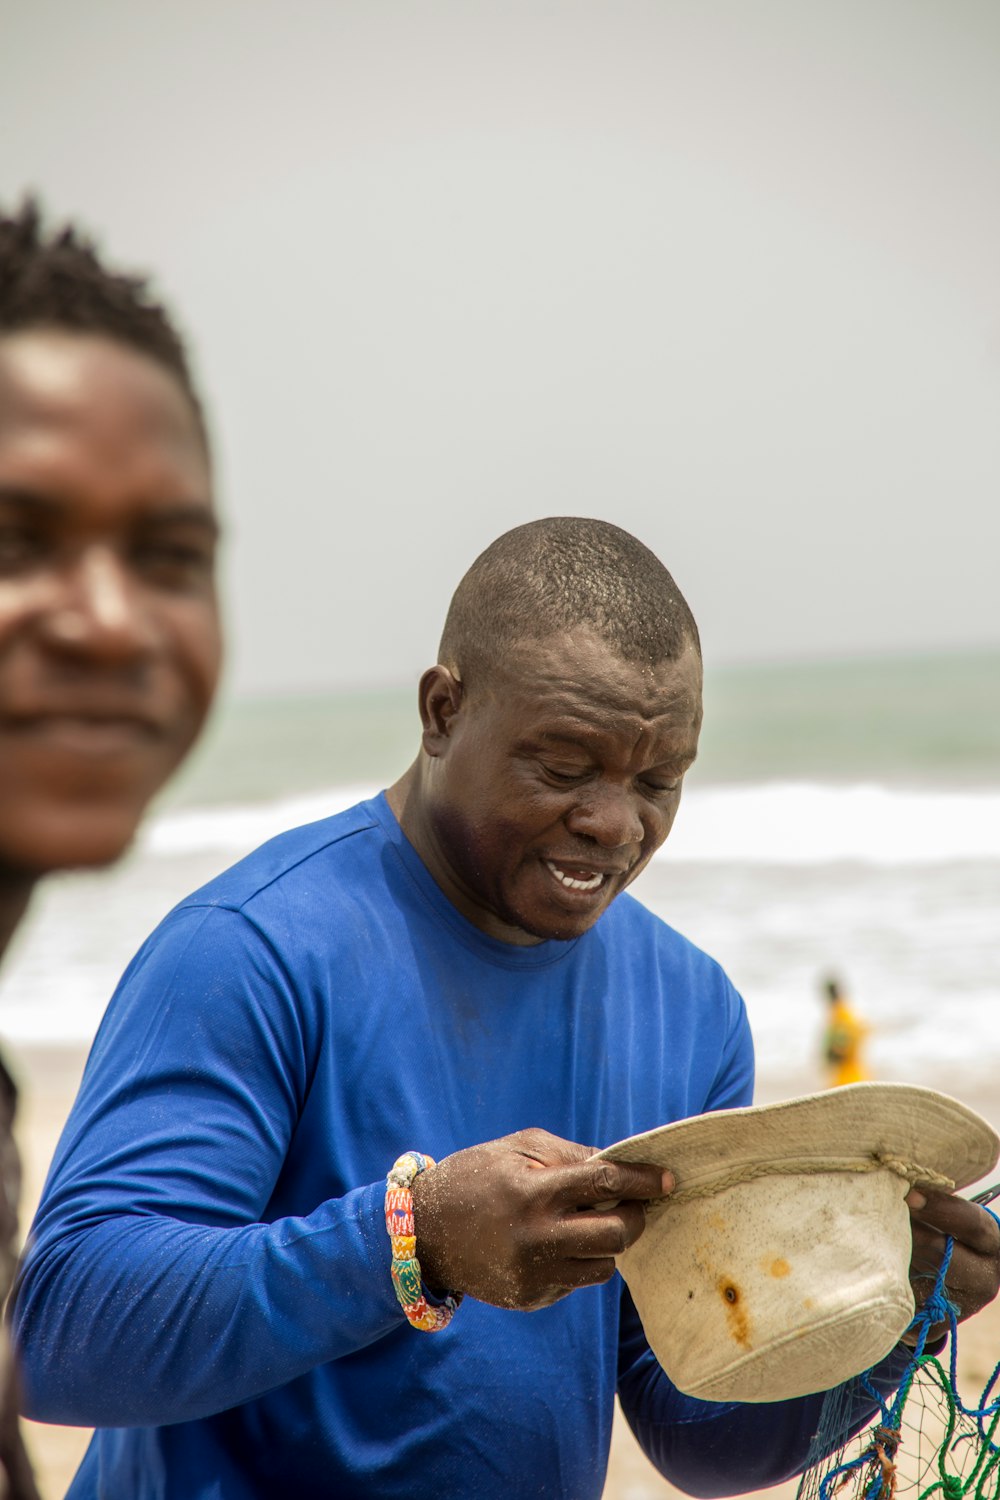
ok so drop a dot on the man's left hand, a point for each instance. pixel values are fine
(973, 1277)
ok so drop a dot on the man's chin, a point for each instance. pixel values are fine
(558, 927)
(524, 917)
(68, 841)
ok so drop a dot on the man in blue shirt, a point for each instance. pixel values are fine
(451, 971)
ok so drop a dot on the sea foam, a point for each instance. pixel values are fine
(796, 823)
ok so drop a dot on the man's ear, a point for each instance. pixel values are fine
(440, 699)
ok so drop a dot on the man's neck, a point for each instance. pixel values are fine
(406, 799)
(397, 795)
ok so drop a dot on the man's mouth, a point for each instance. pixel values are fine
(577, 878)
(85, 734)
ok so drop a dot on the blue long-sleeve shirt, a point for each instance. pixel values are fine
(208, 1282)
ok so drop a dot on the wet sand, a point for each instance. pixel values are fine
(49, 1076)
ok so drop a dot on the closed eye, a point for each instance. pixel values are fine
(663, 788)
(565, 774)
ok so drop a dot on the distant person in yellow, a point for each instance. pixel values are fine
(843, 1040)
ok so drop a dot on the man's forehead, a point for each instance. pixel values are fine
(75, 405)
(580, 674)
(64, 379)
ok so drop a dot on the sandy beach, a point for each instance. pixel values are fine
(48, 1078)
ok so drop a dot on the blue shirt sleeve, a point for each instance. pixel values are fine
(155, 1289)
(733, 1084)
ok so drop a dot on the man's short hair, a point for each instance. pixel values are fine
(55, 278)
(557, 575)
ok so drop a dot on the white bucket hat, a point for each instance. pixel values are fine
(779, 1264)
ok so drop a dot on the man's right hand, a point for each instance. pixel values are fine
(515, 1222)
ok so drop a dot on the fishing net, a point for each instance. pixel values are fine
(925, 1442)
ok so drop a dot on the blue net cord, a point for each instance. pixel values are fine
(879, 1454)
(885, 1435)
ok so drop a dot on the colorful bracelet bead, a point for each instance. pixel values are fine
(405, 1269)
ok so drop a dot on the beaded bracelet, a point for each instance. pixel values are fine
(405, 1269)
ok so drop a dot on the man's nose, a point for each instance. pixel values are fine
(609, 815)
(95, 608)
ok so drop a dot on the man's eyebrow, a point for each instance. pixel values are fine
(184, 515)
(559, 737)
(581, 739)
(173, 513)
(20, 499)
(686, 761)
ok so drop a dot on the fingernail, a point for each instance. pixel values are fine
(916, 1199)
(667, 1181)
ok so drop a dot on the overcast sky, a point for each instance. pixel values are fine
(722, 271)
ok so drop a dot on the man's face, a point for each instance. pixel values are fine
(109, 633)
(553, 789)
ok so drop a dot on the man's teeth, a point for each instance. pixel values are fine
(571, 884)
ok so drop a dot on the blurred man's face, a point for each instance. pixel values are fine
(109, 631)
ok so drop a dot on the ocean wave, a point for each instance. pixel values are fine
(796, 823)
(801, 823)
(239, 828)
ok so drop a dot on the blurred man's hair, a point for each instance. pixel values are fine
(558, 575)
(55, 278)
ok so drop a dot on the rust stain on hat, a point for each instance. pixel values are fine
(736, 1313)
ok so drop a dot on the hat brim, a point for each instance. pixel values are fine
(838, 1129)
